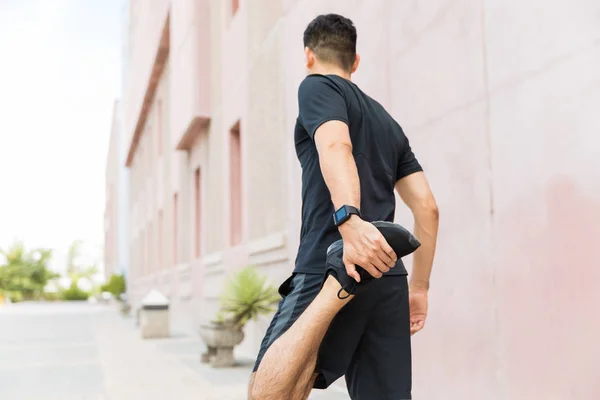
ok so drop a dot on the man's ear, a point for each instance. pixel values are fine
(310, 57)
(356, 62)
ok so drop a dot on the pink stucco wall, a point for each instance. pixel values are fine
(112, 187)
(500, 100)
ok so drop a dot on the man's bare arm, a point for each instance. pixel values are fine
(337, 163)
(363, 243)
(415, 192)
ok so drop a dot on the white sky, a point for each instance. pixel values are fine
(60, 71)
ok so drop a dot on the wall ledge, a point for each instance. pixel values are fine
(268, 243)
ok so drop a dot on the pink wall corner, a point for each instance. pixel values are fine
(203, 56)
(190, 54)
(146, 25)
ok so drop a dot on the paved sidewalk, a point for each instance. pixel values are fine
(83, 351)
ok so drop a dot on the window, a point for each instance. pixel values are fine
(197, 211)
(175, 215)
(159, 128)
(235, 5)
(235, 185)
(160, 235)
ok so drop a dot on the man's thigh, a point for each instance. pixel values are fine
(298, 291)
(381, 366)
(344, 336)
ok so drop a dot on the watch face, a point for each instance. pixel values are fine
(340, 214)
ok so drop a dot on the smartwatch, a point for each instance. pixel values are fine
(344, 213)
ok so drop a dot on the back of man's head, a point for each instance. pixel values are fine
(333, 40)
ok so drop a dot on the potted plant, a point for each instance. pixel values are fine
(246, 297)
(117, 286)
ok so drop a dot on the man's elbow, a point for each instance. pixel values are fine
(434, 210)
(337, 148)
(427, 208)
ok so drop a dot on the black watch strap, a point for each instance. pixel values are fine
(344, 213)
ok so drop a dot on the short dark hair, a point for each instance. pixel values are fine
(333, 39)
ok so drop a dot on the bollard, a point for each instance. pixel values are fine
(154, 316)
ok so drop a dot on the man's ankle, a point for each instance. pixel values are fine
(332, 289)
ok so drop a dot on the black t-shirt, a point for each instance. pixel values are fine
(381, 151)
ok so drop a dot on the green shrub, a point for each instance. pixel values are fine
(51, 296)
(24, 272)
(247, 296)
(116, 285)
(14, 296)
(74, 293)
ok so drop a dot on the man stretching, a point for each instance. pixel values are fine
(353, 154)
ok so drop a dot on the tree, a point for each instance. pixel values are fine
(24, 274)
(75, 269)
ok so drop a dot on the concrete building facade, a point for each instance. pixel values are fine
(499, 99)
(116, 210)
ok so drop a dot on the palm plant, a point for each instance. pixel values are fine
(247, 296)
(75, 269)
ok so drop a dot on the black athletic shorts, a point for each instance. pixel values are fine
(368, 341)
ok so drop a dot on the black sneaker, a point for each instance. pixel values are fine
(401, 240)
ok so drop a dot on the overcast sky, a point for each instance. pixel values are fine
(60, 64)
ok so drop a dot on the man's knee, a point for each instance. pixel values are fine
(260, 392)
(252, 393)
(255, 394)
(256, 391)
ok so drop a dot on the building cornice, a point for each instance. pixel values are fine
(160, 61)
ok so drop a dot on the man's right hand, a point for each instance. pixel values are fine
(418, 308)
(366, 247)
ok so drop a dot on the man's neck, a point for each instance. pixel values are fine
(330, 70)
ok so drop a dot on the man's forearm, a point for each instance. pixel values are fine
(340, 174)
(426, 228)
(364, 245)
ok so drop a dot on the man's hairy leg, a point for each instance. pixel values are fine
(251, 385)
(303, 386)
(290, 361)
